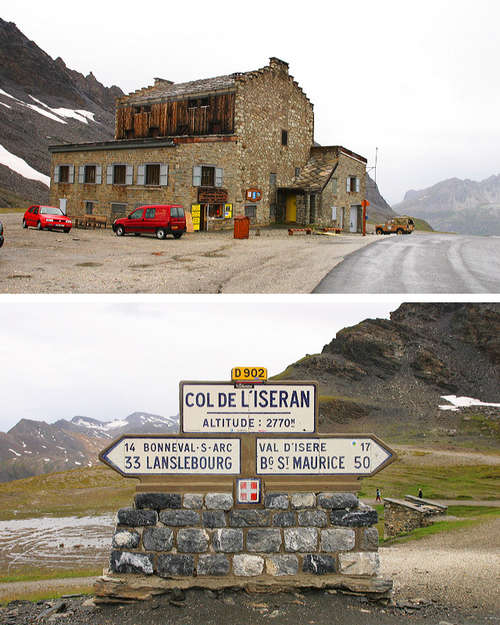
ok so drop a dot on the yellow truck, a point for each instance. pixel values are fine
(398, 225)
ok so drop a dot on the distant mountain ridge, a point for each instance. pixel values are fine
(35, 447)
(43, 102)
(454, 205)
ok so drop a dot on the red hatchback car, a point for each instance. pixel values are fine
(158, 219)
(46, 217)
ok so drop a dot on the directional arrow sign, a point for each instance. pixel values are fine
(361, 456)
(135, 456)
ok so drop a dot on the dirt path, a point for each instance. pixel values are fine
(97, 261)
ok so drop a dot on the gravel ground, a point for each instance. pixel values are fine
(446, 579)
(97, 261)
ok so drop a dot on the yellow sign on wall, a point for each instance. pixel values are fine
(228, 211)
(196, 215)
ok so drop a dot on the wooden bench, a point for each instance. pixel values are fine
(89, 221)
(292, 231)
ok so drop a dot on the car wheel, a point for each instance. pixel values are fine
(379, 231)
(66, 230)
(120, 230)
(39, 226)
(25, 225)
(161, 233)
(399, 231)
(177, 235)
(137, 234)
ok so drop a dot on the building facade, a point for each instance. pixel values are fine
(240, 144)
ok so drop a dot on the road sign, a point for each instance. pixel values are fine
(361, 456)
(217, 407)
(249, 374)
(365, 203)
(135, 456)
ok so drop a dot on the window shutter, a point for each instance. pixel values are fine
(141, 174)
(334, 213)
(81, 174)
(109, 174)
(56, 173)
(129, 175)
(71, 174)
(218, 176)
(197, 176)
(357, 185)
(98, 174)
(163, 175)
(348, 184)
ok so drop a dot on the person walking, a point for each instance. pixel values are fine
(378, 498)
(420, 493)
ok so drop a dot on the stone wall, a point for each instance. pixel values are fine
(294, 537)
(401, 517)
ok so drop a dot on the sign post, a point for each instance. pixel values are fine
(364, 204)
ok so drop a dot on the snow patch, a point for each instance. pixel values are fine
(6, 105)
(46, 459)
(79, 115)
(463, 402)
(14, 452)
(21, 166)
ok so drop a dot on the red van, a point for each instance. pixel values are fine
(159, 219)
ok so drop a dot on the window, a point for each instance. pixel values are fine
(334, 186)
(284, 137)
(64, 173)
(272, 179)
(297, 172)
(119, 174)
(312, 208)
(150, 213)
(250, 211)
(137, 214)
(153, 174)
(198, 102)
(216, 211)
(89, 208)
(208, 176)
(352, 184)
(118, 210)
(176, 211)
(89, 175)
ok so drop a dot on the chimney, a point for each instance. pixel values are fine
(163, 81)
(278, 65)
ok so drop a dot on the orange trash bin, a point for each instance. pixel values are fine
(241, 227)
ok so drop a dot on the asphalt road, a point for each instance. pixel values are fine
(419, 263)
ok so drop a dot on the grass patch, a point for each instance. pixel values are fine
(3, 211)
(30, 574)
(47, 595)
(287, 374)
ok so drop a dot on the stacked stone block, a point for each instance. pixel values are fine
(194, 535)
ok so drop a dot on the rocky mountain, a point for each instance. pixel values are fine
(455, 205)
(43, 102)
(390, 376)
(35, 447)
(379, 210)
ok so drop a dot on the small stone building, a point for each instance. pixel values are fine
(240, 144)
(403, 516)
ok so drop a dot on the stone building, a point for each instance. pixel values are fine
(240, 144)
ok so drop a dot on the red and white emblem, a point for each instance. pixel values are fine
(248, 491)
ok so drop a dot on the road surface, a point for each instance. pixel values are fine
(419, 263)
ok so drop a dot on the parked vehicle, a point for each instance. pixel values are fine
(398, 225)
(46, 218)
(1, 234)
(158, 219)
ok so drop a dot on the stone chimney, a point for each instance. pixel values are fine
(278, 65)
(163, 81)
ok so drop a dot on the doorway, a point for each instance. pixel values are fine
(291, 208)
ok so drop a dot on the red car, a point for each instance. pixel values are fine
(159, 219)
(46, 218)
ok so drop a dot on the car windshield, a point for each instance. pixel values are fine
(50, 210)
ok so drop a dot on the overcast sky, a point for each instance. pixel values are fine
(104, 359)
(417, 80)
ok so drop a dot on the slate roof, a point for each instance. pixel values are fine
(182, 89)
(316, 172)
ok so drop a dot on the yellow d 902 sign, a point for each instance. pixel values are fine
(249, 374)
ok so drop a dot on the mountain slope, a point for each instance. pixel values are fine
(455, 205)
(379, 210)
(43, 102)
(35, 447)
(389, 376)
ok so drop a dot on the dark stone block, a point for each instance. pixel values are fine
(319, 565)
(228, 540)
(214, 518)
(137, 518)
(313, 518)
(192, 540)
(354, 518)
(284, 519)
(175, 564)
(157, 538)
(263, 540)
(279, 501)
(250, 518)
(337, 501)
(125, 562)
(157, 501)
(180, 518)
(213, 565)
